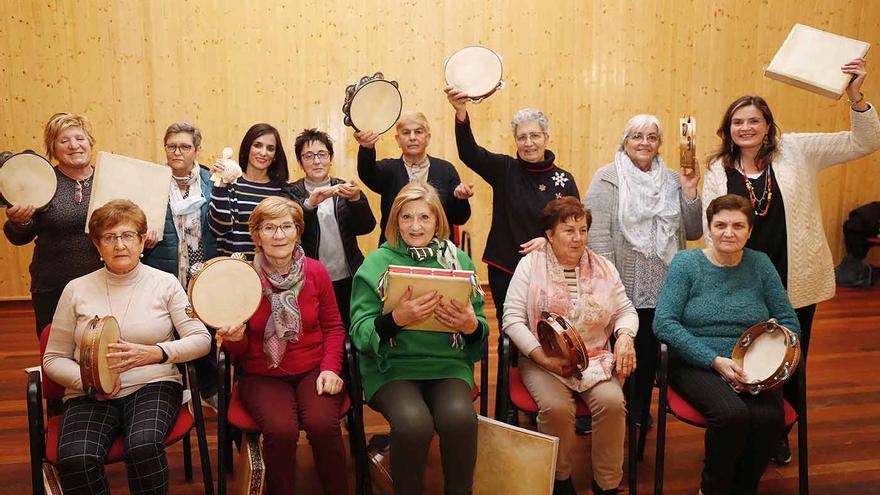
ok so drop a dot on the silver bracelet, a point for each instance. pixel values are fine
(856, 102)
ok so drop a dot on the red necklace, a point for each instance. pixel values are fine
(761, 206)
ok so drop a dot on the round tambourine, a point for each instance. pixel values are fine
(224, 291)
(687, 144)
(559, 338)
(94, 366)
(476, 70)
(27, 179)
(372, 104)
(769, 354)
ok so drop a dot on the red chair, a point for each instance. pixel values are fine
(673, 403)
(43, 436)
(511, 386)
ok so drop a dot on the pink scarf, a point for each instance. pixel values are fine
(285, 322)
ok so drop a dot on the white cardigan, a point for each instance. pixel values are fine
(800, 158)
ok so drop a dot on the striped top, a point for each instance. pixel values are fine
(231, 208)
(571, 280)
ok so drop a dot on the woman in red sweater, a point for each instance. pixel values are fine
(291, 353)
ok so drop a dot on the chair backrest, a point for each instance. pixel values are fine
(51, 389)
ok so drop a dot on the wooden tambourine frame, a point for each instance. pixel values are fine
(93, 362)
(770, 348)
(513, 460)
(687, 143)
(560, 338)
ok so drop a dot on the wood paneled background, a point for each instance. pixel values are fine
(133, 67)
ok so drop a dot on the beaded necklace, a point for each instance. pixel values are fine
(761, 206)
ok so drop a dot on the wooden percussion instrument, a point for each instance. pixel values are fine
(769, 354)
(476, 70)
(250, 478)
(810, 59)
(224, 291)
(559, 338)
(51, 480)
(379, 455)
(687, 144)
(94, 366)
(372, 104)
(27, 179)
(451, 284)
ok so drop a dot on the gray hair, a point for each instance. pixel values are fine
(179, 127)
(530, 115)
(641, 122)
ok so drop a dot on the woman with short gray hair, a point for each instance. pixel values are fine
(643, 213)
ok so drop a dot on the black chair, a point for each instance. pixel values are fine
(671, 402)
(513, 397)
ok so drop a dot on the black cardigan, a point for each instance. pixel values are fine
(387, 177)
(353, 217)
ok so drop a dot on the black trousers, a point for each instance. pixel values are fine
(207, 370)
(646, 365)
(45, 304)
(89, 427)
(499, 281)
(415, 409)
(342, 289)
(791, 391)
(742, 428)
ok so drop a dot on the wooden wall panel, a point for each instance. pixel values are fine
(136, 66)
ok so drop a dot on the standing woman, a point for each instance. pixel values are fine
(187, 239)
(642, 214)
(779, 176)
(264, 165)
(62, 250)
(340, 214)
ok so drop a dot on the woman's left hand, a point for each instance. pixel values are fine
(349, 191)
(329, 383)
(131, 355)
(624, 356)
(151, 239)
(858, 68)
(690, 180)
(532, 245)
(456, 315)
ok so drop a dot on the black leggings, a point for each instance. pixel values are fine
(646, 365)
(415, 410)
(742, 428)
(44, 307)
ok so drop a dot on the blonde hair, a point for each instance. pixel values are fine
(412, 116)
(58, 123)
(415, 191)
(271, 208)
(113, 213)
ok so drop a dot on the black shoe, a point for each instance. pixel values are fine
(649, 422)
(781, 453)
(583, 425)
(564, 487)
(599, 491)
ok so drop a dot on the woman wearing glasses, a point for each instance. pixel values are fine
(264, 165)
(62, 251)
(337, 213)
(643, 213)
(149, 305)
(291, 353)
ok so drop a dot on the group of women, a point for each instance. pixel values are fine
(613, 263)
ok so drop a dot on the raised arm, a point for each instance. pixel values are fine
(367, 168)
(490, 166)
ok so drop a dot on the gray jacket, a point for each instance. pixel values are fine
(607, 239)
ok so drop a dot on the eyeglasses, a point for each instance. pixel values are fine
(639, 137)
(533, 136)
(184, 148)
(128, 238)
(270, 229)
(321, 155)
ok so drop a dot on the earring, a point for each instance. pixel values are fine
(766, 139)
(101, 258)
(142, 255)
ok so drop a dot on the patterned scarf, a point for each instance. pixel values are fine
(186, 214)
(444, 251)
(285, 324)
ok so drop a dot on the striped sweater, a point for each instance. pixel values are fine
(230, 211)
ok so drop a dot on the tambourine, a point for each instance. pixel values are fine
(94, 366)
(224, 291)
(559, 338)
(27, 179)
(687, 144)
(476, 70)
(372, 104)
(769, 354)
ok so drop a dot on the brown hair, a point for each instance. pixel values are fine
(415, 191)
(560, 210)
(271, 208)
(113, 213)
(730, 202)
(729, 153)
(58, 123)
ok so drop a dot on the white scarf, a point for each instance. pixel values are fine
(644, 197)
(187, 219)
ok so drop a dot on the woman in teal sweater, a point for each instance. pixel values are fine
(709, 298)
(420, 380)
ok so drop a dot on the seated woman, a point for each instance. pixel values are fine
(291, 353)
(420, 380)
(149, 305)
(567, 278)
(711, 296)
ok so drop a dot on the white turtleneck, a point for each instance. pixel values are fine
(148, 304)
(331, 253)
